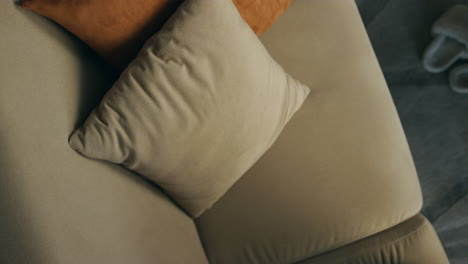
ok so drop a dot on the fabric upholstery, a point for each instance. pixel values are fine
(340, 171)
(114, 29)
(413, 241)
(196, 108)
(117, 30)
(57, 207)
(261, 14)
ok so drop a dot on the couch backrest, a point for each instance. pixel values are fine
(56, 206)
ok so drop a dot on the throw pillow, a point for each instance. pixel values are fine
(197, 108)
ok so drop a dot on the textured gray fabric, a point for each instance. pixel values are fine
(435, 119)
(452, 229)
(459, 79)
(442, 53)
(450, 42)
(454, 23)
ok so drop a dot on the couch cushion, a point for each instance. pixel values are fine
(340, 171)
(413, 241)
(55, 205)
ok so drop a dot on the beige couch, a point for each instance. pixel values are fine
(339, 185)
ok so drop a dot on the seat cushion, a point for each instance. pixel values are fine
(55, 205)
(413, 241)
(340, 171)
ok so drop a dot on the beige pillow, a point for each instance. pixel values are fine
(197, 108)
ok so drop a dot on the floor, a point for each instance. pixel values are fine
(434, 118)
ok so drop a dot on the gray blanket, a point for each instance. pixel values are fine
(434, 118)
